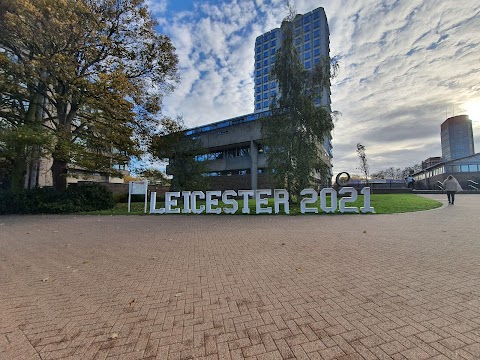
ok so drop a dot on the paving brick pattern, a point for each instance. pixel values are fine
(403, 287)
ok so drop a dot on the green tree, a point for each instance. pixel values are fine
(155, 176)
(181, 150)
(98, 70)
(298, 125)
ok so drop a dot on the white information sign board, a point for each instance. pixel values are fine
(137, 188)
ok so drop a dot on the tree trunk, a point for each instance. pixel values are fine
(18, 174)
(59, 174)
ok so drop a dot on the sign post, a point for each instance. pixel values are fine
(137, 188)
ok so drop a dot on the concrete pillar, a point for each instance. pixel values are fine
(254, 164)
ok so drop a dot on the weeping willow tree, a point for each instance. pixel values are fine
(298, 124)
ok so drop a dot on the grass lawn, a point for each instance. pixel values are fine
(383, 204)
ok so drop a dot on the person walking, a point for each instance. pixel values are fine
(451, 186)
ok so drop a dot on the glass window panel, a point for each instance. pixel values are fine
(472, 168)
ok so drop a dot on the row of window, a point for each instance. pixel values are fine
(265, 37)
(240, 172)
(449, 169)
(266, 103)
(272, 85)
(267, 45)
(307, 37)
(266, 95)
(307, 18)
(266, 54)
(238, 151)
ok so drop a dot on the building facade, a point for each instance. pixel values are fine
(312, 39)
(458, 157)
(236, 157)
(457, 138)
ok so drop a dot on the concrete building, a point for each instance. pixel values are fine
(235, 152)
(431, 161)
(312, 42)
(458, 157)
(466, 170)
(457, 138)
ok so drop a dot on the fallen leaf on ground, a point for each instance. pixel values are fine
(113, 336)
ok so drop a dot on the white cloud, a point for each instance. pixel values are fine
(402, 64)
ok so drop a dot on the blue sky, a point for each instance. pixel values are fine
(404, 67)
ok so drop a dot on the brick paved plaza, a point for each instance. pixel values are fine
(402, 286)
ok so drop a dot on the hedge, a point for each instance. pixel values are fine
(80, 198)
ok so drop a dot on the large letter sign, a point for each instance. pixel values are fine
(187, 201)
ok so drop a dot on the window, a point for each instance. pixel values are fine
(258, 89)
(272, 51)
(265, 104)
(265, 78)
(273, 93)
(265, 96)
(272, 60)
(316, 61)
(265, 54)
(265, 62)
(272, 36)
(258, 106)
(316, 33)
(298, 23)
(231, 153)
(297, 32)
(307, 65)
(258, 81)
(316, 42)
(273, 43)
(258, 66)
(265, 46)
(259, 49)
(307, 56)
(464, 168)
(258, 98)
(265, 71)
(258, 58)
(265, 87)
(306, 19)
(273, 85)
(316, 24)
(472, 168)
(297, 41)
(316, 14)
(306, 28)
(316, 52)
(306, 47)
(259, 73)
(306, 37)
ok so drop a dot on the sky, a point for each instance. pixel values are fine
(405, 66)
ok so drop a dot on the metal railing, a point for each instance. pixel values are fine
(472, 184)
(440, 185)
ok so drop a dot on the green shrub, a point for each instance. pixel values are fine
(90, 197)
(81, 198)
